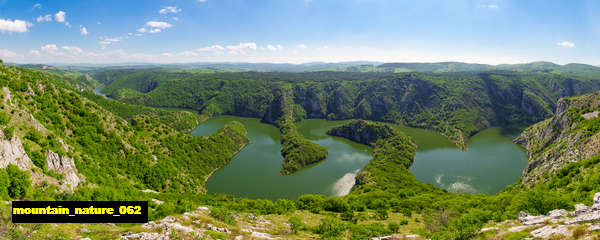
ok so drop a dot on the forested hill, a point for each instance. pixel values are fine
(455, 104)
(71, 148)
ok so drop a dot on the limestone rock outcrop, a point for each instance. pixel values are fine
(12, 152)
(557, 141)
(63, 165)
(582, 213)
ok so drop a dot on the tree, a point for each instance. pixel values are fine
(19, 181)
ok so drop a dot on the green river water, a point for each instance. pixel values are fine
(491, 163)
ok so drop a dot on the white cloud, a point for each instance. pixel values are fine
(83, 30)
(302, 46)
(73, 50)
(14, 26)
(170, 9)
(490, 6)
(155, 26)
(60, 16)
(46, 18)
(202, 1)
(274, 48)
(50, 48)
(7, 53)
(242, 47)
(142, 30)
(35, 53)
(175, 18)
(108, 41)
(189, 53)
(566, 44)
(211, 48)
(161, 25)
(37, 5)
(98, 22)
(52, 52)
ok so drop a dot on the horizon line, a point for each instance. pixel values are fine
(375, 63)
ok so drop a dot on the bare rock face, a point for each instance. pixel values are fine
(552, 216)
(556, 142)
(586, 217)
(7, 100)
(557, 213)
(547, 231)
(584, 213)
(12, 152)
(63, 165)
(533, 220)
(146, 236)
(579, 209)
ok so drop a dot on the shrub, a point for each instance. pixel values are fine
(381, 214)
(216, 235)
(331, 228)
(296, 224)
(394, 227)
(349, 216)
(4, 118)
(313, 203)
(368, 231)
(284, 206)
(9, 132)
(19, 182)
(34, 136)
(222, 214)
(336, 204)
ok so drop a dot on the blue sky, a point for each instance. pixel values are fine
(297, 31)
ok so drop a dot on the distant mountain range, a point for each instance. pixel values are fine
(354, 66)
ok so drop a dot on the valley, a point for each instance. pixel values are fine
(344, 178)
(491, 163)
(300, 119)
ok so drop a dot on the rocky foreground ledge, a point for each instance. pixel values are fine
(557, 224)
(194, 225)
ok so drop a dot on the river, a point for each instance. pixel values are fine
(491, 163)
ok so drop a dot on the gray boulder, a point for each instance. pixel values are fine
(580, 209)
(558, 213)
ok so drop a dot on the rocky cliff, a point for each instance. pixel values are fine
(12, 152)
(571, 135)
(65, 166)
